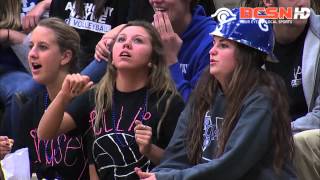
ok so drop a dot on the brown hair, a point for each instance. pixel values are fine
(10, 14)
(315, 5)
(67, 38)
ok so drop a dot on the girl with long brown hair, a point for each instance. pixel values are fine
(236, 125)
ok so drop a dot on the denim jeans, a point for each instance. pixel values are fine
(10, 83)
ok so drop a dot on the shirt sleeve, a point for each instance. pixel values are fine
(311, 120)
(80, 111)
(250, 140)
(95, 70)
(183, 85)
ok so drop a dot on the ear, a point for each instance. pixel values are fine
(268, 3)
(66, 57)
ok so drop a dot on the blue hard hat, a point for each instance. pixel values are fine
(256, 33)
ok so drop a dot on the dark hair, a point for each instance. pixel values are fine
(67, 38)
(247, 72)
(208, 6)
(315, 5)
(193, 4)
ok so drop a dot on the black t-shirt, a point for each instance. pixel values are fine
(64, 157)
(90, 28)
(289, 68)
(114, 149)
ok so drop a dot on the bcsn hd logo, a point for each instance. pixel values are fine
(289, 13)
(281, 14)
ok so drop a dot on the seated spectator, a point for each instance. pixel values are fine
(297, 48)
(236, 125)
(53, 54)
(132, 111)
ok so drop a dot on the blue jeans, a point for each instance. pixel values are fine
(10, 83)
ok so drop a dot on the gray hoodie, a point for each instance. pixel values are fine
(248, 154)
(311, 77)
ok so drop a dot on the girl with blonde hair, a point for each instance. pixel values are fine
(132, 112)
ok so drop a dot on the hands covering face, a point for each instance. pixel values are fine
(171, 40)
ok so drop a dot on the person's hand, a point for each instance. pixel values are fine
(75, 85)
(171, 40)
(103, 47)
(145, 175)
(5, 146)
(143, 135)
(31, 19)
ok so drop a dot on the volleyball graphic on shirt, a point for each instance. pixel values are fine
(117, 159)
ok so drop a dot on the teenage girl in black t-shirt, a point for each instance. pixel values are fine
(135, 96)
(53, 54)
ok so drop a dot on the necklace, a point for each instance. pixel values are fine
(50, 156)
(46, 104)
(46, 101)
(142, 112)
